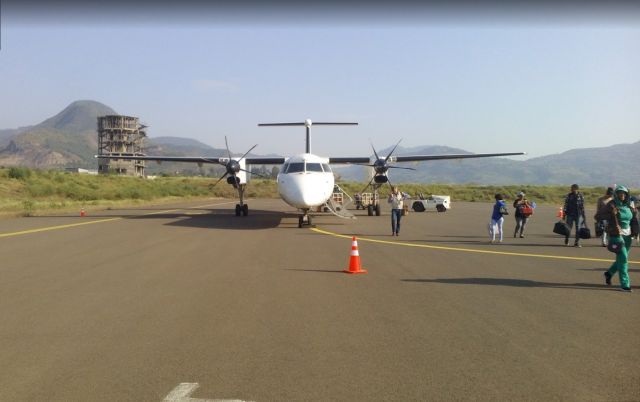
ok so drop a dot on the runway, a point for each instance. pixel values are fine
(126, 305)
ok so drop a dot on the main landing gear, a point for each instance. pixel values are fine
(242, 208)
(304, 219)
(373, 209)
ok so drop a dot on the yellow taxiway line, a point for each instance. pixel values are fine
(468, 250)
(70, 225)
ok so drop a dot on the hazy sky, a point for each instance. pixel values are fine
(484, 79)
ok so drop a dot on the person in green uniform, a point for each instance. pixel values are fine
(619, 214)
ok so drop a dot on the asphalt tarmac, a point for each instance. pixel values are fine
(126, 305)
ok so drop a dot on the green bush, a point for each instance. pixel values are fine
(19, 173)
(27, 207)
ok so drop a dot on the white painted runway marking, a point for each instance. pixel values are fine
(181, 394)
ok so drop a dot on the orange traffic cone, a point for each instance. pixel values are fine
(82, 213)
(354, 260)
(560, 213)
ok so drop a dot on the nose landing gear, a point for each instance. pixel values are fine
(304, 219)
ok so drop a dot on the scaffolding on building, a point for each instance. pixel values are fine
(121, 136)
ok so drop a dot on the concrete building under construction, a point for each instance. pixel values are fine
(120, 135)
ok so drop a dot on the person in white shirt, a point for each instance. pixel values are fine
(396, 199)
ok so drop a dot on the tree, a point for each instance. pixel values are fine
(274, 172)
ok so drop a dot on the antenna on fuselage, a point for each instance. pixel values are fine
(307, 123)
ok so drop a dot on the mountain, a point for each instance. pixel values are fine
(79, 117)
(69, 139)
(180, 147)
(7, 134)
(66, 139)
(600, 166)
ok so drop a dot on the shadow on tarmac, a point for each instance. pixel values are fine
(223, 219)
(521, 283)
(203, 218)
(339, 271)
(605, 269)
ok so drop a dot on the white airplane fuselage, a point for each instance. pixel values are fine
(305, 181)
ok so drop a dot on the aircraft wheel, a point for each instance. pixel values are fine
(378, 210)
(300, 221)
(309, 220)
(238, 209)
(245, 210)
(370, 210)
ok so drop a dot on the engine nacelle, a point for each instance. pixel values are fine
(380, 179)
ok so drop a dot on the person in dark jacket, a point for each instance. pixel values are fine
(619, 214)
(574, 213)
(521, 217)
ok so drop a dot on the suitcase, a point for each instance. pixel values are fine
(561, 228)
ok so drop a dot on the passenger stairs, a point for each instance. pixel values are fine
(339, 202)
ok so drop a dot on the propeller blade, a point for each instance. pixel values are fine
(394, 148)
(227, 145)
(223, 176)
(368, 184)
(257, 174)
(246, 153)
(390, 186)
(374, 150)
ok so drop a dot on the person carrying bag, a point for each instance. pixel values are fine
(573, 212)
(620, 214)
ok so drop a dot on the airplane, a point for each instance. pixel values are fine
(305, 181)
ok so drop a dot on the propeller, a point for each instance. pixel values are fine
(381, 166)
(233, 166)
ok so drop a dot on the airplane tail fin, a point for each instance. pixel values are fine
(307, 123)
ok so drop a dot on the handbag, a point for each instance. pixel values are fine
(584, 232)
(615, 246)
(504, 210)
(561, 228)
(526, 211)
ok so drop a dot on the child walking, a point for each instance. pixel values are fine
(497, 218)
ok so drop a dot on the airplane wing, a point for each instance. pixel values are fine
(195, 159)
(280, 160)
(415, 158)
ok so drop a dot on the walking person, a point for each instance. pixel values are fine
(574, 213)
(522, 208)
(497, 218)
(619, 213)
(396, 199)
(601, 214)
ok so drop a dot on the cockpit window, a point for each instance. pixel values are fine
(326, 167)
(314, 167)
(296, 167)
(285, 167)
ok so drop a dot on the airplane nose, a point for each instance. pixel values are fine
(296, 193)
